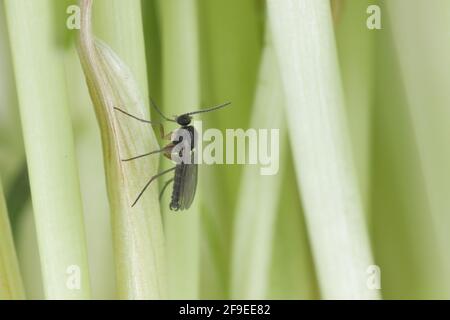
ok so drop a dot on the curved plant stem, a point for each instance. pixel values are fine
(137, 231)
(88, 146)
(49, 147)
(304, 40)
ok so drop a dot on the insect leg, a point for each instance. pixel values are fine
(149, 182)
(146, 154)
(165, 187)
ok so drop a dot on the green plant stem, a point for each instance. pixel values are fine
(292, 274)
(151, 20)
(304, 40)
(271, 258)
(426, 81)
(404, 238)
(119, 24)
(356, 47)
(137, 231)
(88, 146)
(181, 93)
(231, 43)
(12, 154)
(49, 147)
(10, 280)
(28, 254)
(255, 221)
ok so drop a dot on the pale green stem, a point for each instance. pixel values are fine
(255, 220)
(119, 24)
(356, 47)
(10, 280)
(12, 155)
(137, 231)
(231, 44)
(421, 39)
(28, 254)
(292, 274)
(49, 147)
(92, 180)
(181, 93)
(403, 234)
(304, 40)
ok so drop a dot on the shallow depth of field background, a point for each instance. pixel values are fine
(396, 85)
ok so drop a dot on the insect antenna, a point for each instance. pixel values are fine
(209, 109)
(136, 118)
(159, 111)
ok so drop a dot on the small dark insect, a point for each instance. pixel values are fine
(185, 177)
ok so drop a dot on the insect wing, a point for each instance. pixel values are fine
(188, 185)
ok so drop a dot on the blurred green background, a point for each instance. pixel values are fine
(395, 83)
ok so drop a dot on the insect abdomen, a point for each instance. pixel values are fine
(176, 191)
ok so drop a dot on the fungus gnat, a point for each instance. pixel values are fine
(185, 177)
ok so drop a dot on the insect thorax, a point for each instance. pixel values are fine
(188, 132)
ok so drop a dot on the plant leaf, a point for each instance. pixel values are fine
(137, 231)
(304, 40)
